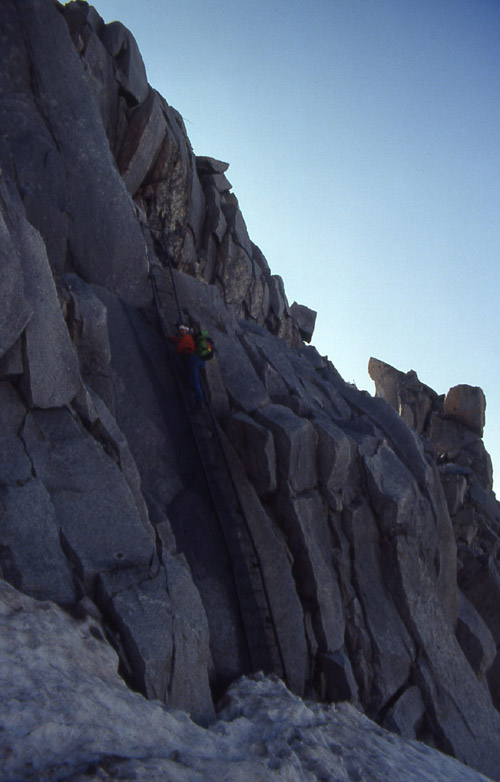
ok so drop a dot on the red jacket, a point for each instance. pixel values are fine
(184, 344)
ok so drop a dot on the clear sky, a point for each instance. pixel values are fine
(363, 142)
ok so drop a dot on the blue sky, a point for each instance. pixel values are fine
(363, 142)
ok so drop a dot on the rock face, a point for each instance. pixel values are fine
(467, 405)
(346, 543)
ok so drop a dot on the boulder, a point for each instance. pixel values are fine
(466, 405)
(305, 320)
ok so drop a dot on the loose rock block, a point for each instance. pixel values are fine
(467, 405)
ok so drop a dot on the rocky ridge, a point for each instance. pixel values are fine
(373, 519)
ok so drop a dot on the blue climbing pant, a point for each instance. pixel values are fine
(194, 363)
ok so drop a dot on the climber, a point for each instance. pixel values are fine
(185, 346)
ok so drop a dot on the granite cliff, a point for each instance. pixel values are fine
(322, 543)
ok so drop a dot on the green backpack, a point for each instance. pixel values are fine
(204, 345)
